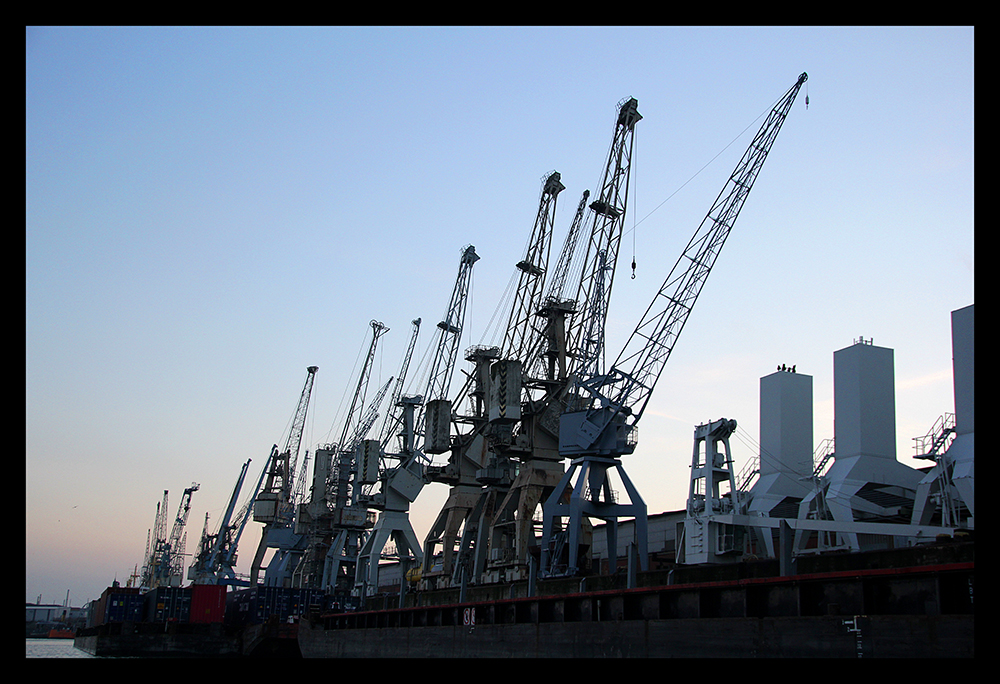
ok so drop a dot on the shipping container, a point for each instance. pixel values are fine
(208, 603)
(260, 604)
(124, 608)
(117, 604)
(168, 604)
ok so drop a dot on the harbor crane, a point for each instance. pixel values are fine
(155, 538)
(165, 555)
(401, 476)
(274, 505)
(524, 383)
(334, 525)
(512, 530)
(602, 428)
(467, 454)
(215, 561)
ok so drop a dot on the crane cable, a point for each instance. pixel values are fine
(709, 162)
(347, 388)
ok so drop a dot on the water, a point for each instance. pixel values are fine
(52, 648)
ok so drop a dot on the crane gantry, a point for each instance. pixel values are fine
(598, 433)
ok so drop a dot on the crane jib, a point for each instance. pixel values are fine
(646, 354)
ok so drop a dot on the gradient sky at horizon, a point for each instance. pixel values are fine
(210, 210)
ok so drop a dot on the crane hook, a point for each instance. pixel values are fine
(633, 268)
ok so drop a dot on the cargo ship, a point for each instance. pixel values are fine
(198, 621)
(907, 602)
(912, 602)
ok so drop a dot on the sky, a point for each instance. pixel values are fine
(210, 210)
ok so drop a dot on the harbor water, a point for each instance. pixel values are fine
(52, 648)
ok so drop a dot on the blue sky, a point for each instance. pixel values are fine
(211, 210)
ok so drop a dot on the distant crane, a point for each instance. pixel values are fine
(155, 539)
(603, 428)
(274, 504)
(216, 558)
(165, 555)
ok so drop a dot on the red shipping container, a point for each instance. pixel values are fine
(208, 602)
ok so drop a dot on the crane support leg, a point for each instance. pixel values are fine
(590, 497)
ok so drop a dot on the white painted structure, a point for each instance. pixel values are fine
(786, 438)
(710, 493)
(866, 482)
(949, 487)
(867, 499)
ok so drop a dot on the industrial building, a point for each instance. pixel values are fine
(855, 479)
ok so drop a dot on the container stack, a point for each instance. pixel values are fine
(258, 605)
(117, 604)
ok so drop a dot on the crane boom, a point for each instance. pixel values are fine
(331, 530)
(654, 338)
(366, 422)
(451, 330)
(531, 280)
(177, 541)
(394, 418)
(601, 251)
(446, 352)
(274, 500)
(603, 432)
(542, 358)
(291, 452)
(357, 403)
(657, 332)
(274, 505)
(343, 463)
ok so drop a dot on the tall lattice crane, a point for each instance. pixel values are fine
(577, 344)
(401, 477)
(333, 524)
(155, 539)
(165, 554)
(274, 505)
(603, 429)
(467, 453)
